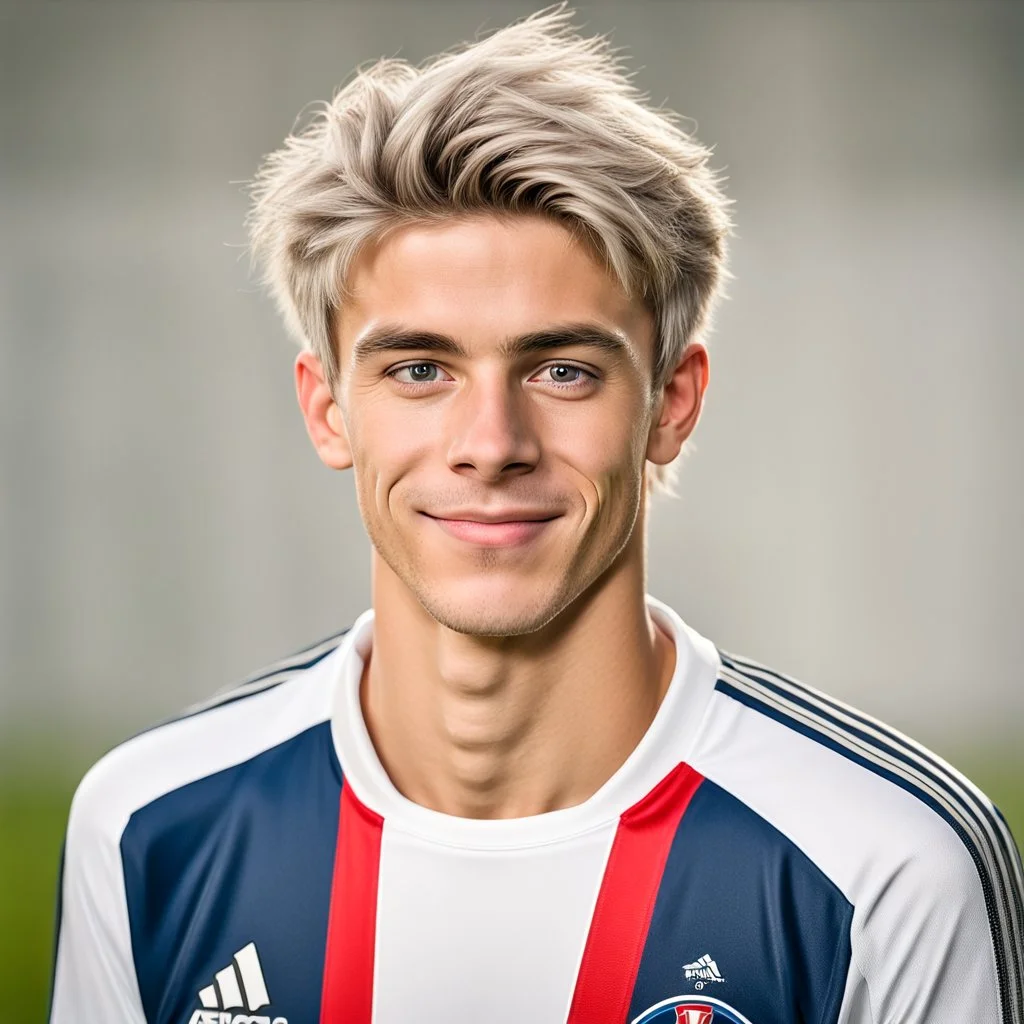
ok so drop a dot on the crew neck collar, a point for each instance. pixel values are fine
(666, 743)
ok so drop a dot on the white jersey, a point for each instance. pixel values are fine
(766, 855)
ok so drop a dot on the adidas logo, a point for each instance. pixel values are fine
(702, 971)
(240, 986)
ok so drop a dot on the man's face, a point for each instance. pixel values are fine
(496, 388)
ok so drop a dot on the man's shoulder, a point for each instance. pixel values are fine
(892, 824)
(265, 710)
(813, 756)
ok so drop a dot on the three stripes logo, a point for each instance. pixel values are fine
(703, 971)
(238, 987)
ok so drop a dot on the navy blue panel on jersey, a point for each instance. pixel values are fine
(242, 856)
(737, 891)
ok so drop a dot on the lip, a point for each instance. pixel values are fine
(500, 528)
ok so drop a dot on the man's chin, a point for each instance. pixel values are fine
(493, 614)
(473, 622)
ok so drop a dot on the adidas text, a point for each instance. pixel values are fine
(227, 1017)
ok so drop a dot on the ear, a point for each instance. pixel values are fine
(679, 405)
(324, 422)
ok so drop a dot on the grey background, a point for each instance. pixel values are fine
(851, 511)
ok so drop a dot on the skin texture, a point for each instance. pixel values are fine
(500, 475)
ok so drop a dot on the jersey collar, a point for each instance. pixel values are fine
(666, 743)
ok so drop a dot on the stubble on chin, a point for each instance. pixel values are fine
(495, 614)
(496, 621)
(519, 608)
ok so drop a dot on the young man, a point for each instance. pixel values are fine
(519, 790)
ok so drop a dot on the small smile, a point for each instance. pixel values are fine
(494, 528)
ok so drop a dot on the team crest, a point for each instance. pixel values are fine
(694, 1013)
(683, 1010)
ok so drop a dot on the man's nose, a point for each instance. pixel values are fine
(491, 433)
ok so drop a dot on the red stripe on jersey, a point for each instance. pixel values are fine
(347, 996)
(618, 929)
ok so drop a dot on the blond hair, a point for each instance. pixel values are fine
(531, 119)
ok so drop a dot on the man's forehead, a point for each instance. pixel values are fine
(485, 278)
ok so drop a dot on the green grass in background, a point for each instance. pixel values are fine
(32, 818)
(33, 810)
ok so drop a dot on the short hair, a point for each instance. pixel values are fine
(532, 119)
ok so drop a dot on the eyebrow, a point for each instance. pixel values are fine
(393, 338)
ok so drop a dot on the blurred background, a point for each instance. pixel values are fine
(851, 511)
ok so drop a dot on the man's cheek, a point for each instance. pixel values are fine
(387, 486)
(607, 467)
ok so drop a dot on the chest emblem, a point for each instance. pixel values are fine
(685, 1010)
(694, 1013)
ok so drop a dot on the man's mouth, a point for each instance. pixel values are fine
(494, 527)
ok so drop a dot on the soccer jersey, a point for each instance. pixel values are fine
(766, 855)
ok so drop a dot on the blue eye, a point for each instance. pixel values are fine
(417, 373)
(562, 374)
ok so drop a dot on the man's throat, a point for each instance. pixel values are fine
(477, 732)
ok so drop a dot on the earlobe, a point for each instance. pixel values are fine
(324, 421)
(680, 406)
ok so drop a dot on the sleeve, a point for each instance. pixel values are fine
(94, 979)
(942, 940)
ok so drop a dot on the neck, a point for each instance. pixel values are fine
(485, 727)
